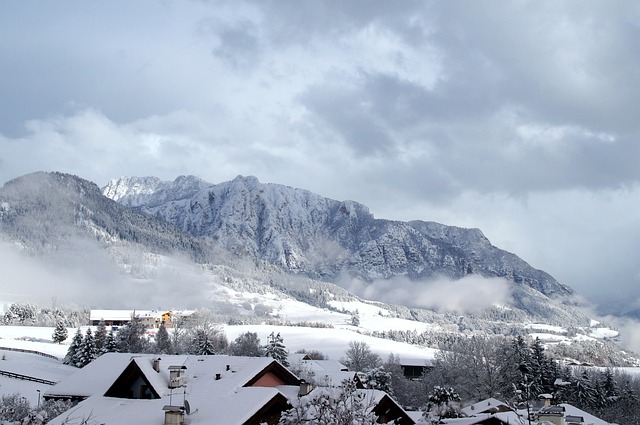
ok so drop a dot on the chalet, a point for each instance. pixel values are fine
(491, 410)
(415, 368)
(490, 405)
(151, 319)
(322, 373)
(144, 389)
(567, 414)
(178, 389)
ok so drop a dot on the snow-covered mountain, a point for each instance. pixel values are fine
(259, 238)
(304, 232)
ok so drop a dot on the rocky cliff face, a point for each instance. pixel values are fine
(307, 233)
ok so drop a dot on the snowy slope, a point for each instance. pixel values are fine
(302, 231)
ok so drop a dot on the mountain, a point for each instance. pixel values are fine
(46, 213)
(303, 232)
(259, 238)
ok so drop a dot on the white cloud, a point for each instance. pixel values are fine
(472, 293)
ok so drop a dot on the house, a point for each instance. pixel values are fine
(483, 419)
(490, 405)
(383, 406)
(561, 414)
(151, 319)
(322, 373)
(415, 368)
(177, 389)
(145, 389)
(567, 414)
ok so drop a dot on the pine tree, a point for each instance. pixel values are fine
(100, 336)
(377, 379)
(132, 336)
(610, 386)
(355, 319)
(276, 349)
(88, 351)
(163, 343)
(110, 344)
(443, 403)
(584, 392)
(202, 344)
(74, 347)
(60, 333)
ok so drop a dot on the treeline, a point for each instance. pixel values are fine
(518, 372)
(26, 314)
(598, 353)
(198, 335)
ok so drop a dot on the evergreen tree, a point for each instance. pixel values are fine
(610, 386)
(584, 392)
(355, 319)
(60, 333)
(443, 403)
(100, 336)
(377, 379)
(541, 369)
(163, 343)
(110, 344)
(132, 336)
(203, 345)
(74, 347)
(276, 349)
(88, 350)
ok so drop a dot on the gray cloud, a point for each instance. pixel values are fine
(470, 294)
(516, 118)
(86, 277)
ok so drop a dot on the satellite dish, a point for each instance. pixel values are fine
(187, 407)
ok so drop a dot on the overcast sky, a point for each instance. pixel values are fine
(519, 118)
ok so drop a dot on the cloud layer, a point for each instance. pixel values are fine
(518, 118)
(470, 294)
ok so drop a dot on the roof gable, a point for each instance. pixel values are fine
(132, 383)
(273, 372)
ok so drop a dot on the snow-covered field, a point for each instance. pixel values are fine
(331, 341)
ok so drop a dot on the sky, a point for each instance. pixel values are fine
(513, 117)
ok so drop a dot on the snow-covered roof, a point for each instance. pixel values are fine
(589, 419)
(484, 406)
(415, 361)
(332, 378)
(323, 365)
(215, 388)
(120, 314)
(126, 314)
(505, 417)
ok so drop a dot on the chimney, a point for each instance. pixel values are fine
(218, 376)
(156, 365)
(305, 388)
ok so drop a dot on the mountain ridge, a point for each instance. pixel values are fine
(332, 240)
(305, 232)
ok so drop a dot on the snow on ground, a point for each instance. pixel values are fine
(34, 338)
(601, 333)
(543, 327)
(332, 342)
(548, 337)
(32, 365)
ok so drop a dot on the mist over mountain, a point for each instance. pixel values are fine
(253, 236)
(304, 232)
